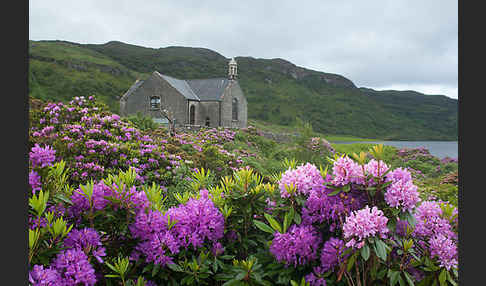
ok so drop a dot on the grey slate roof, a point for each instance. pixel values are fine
(132, 89)
(181, 86)
(194, 89)
(209, 89)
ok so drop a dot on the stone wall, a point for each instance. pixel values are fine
(234, 91)
(278, 137)
(208, 109)
(170, 98)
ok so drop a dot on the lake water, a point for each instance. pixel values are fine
(440, 149)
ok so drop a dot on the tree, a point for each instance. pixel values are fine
(170, 117)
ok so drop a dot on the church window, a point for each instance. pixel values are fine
(192, 115)
(155, 102)
(235, 109)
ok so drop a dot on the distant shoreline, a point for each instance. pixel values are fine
(439, 149)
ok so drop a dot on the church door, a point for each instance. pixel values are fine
(192, 115)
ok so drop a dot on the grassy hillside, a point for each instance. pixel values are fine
(277, 90)
(437, 113)
(61, 70)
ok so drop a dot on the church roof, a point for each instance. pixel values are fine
(181, 86)
(209, 89)
(132, 88)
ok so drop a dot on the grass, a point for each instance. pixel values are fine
(275, 128)
(70, 52)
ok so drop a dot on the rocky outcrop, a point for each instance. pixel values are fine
(300, 73)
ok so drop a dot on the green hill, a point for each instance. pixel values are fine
(277, 90)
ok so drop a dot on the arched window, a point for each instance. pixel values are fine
(235, 109)
(155, 102)
(207, 121)
(192, 115)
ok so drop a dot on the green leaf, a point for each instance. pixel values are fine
(263, 226)
(346, 188)
(175, 267)
(155, 270)
(240, 276)
(147, 268)
(380, 249)
(411, 219)
(400, 280)
(334, 193)
(111, 267)
(449, 278)
(289, 216)
(297, 218)
(443, 277)
(394, 277)
(381, 273)
(408, 278)
(365, 252)
(273, 223)
(231, 282)
(63, 198)
(351, 261)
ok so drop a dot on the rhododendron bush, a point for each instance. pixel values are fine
(109, 205)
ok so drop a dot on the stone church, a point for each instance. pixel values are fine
(214, 102)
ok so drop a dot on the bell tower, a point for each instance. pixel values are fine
(232, 69)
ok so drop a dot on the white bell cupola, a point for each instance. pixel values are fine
(232, 69)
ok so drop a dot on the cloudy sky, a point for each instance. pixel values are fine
(395, 44)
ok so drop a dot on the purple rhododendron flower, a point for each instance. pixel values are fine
(331, 252)
(438, 231)
(364, 223)
(399, 174)
(297, 246)
(35, 222)
(445, 250)
(401, 227)
(81, 203)
(34, 181)
(346, 171)
(217, 249)
(42, 156)
(74, 268)
(320, 207)
(429, 221)
(197, 221)
(402, 194)
(315, 280)
(152, 229)
(376, 169)
(304, 178)
(86, 239)
(129, 199)
(39, 276)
